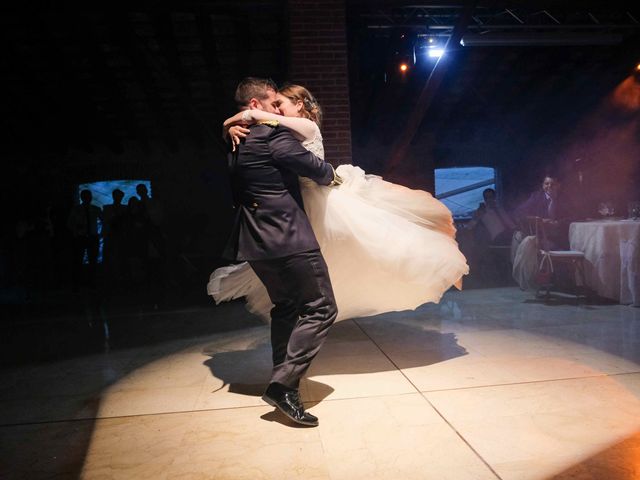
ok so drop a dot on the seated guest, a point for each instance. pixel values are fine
(548, 204)
(496, 221)
(491, 226)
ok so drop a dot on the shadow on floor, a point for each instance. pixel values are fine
(247, 371)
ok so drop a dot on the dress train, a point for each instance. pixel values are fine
(387, 247)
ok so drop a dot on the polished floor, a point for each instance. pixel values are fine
(489, 384)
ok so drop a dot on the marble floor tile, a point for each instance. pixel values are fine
(135, 447)
(74, 377)
(545, 469)
(460, 372)
(557, 422)
(222, 396)
(402, 337)
(631, 382)
(619, 461)
(346, 331)
(510, 342)
(346, 348)
(177, 370)
(248, 443)
(369, 374)
(591, 396)
(145, 401)
(393, 437)
(235, 378)
(48, 409)
(237, 340)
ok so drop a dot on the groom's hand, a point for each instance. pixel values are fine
(236, 134)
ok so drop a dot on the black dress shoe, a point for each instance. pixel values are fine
(288, 402)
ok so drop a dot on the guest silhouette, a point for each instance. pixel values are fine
(155, 259)
(114, 236)
(83, 224)
(497, 224)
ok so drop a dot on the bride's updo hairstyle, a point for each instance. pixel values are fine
(310, 107)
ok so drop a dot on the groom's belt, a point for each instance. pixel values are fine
(276, 200)
(248, 202)
(253, 202)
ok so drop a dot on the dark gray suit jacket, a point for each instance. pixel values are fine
(537, 205)
(270, 219)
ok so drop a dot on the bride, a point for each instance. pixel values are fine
(388, 247)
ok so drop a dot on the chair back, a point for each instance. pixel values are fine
(536, 228)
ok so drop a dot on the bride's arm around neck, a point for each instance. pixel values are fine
(303, 128)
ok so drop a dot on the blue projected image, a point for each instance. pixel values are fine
(460, 189)
(101, 192)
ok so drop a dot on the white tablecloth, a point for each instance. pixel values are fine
(612, 253)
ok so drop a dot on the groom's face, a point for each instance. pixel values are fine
(268, 104)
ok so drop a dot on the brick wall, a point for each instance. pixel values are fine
(319, 62)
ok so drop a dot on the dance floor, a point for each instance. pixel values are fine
(489, 384)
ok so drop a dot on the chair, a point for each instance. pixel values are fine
(546, 275)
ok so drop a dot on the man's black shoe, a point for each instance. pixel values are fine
(288, 402)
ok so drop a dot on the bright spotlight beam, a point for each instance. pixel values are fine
(436, 52)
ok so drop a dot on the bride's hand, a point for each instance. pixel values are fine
(236, 134)
(254, 116)
(240, 118)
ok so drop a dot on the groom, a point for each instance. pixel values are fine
(273, 233)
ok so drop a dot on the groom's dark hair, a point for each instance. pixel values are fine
(253, 87)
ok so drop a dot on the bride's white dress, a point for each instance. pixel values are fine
(388, 247)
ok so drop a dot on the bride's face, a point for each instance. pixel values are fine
(287, 107)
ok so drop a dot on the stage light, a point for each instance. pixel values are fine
(404, 67)
(428, 46)
(636, 74)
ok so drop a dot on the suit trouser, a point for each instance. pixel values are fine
(304, 309)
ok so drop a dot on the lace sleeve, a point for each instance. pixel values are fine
(315, 145)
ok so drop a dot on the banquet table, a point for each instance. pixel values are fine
(612, 257)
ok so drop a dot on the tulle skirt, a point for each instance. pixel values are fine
(387, 247)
